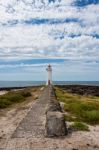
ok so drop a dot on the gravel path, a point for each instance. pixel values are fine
(33, 125)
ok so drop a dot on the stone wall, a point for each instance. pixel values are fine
(55, 121)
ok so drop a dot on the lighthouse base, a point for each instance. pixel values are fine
(49, 82)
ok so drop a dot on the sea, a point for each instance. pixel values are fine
(6, 84)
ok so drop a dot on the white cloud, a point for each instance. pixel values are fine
(24, 40)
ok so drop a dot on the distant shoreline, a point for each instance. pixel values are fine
(22, 87)
(13, 88)
(24, 84)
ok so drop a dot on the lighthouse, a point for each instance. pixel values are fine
(49, 74)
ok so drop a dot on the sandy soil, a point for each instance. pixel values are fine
(10, 119)
(3, 92)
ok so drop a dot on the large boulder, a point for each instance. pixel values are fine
(55, 124)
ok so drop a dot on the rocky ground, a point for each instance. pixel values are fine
(22, 129)
(81, 89)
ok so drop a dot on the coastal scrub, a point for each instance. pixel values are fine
(13, 97)
(78, 107)
(79, 126)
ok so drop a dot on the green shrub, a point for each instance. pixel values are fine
(13, 97)
(79, 126)
(4, 103)
(70, 118)
(89, 106)
(25, 93)
(91, 117)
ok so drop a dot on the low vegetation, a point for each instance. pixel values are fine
(70, 118)
(13, 97)
(79, 108)
(79, 126)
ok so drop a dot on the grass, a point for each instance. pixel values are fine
(82, 108)
(13, 97)
(70, 118)
(79, 126)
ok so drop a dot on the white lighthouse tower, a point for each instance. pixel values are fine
(49, 77)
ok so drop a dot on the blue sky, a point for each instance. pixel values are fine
(64, 33)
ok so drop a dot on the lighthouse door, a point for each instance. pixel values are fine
(48, 82)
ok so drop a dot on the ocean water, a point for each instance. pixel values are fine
(4, 84)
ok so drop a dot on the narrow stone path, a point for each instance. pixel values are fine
(33, 125)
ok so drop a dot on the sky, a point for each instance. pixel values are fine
(63, 33)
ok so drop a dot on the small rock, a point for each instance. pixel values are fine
(62, 105)
(95, 146)
(88, 144)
